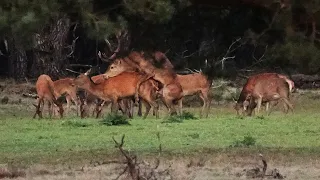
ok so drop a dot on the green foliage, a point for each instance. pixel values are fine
(158, 11)
(180, 118)
(173, 119)
(301, 55)
(187, 116)
(115, 119)
(246, 142)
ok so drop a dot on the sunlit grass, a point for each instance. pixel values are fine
(26, 139)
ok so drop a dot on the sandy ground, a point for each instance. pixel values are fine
(205, 168)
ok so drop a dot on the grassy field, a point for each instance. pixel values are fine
(32, 140)
(71, 140)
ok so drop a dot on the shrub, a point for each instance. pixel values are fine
(246, 142)
(115, 119)
(75, 123)
(179, 118)
(187, 115)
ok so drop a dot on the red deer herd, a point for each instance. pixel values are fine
(143, 78)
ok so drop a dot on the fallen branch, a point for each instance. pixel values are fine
(141, 170)
(261, 173)
(30, 95)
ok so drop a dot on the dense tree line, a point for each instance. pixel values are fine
(221, 36)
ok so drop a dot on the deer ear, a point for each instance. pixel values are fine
(35, 105)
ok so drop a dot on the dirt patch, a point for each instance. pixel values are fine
(191, 168)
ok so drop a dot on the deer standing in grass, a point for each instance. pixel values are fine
(89, 99)
(171, 91)
(46, 91)
(191, 84)
(267, 90)
(116, 88)
(66, 86)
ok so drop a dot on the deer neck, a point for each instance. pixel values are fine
(95, 89)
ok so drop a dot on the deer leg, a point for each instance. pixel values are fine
(204, 104)
(73, 96)
(38, 111)
(170, 105)
(50, 109)
(180, 105)
(259, 104)
(288, 105)
(141, 80)
(267, 106)
(68, 99)
(140, 108)
(148, 107)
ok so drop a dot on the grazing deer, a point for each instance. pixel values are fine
(171, 91)
(266, 90)
(247, 89)
(115, 88)
(46, 91)
(66, 86)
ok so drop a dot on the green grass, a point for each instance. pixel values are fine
(32, 140)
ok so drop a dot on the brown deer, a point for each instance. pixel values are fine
(196, 83)
(46, 91)
(89, 99)
(172, 90)
(247, 89)
(66, 86)
(115, 88)
(191, 84)
(267, 90)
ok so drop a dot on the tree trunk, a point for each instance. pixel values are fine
(17, 59)
(50, 51)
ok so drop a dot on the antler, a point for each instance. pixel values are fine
(88, 72)
(119, 35)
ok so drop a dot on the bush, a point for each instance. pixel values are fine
(187, 116)
(115, 119)
(246, 142)
(179, 118)
(76, 123)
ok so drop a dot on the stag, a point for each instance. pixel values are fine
(171, 91)
(196, 83)
(46, 91)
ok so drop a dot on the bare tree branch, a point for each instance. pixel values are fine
(230, 50)
(261, 58)
(80, 65)
(73, 44)
(73, 71)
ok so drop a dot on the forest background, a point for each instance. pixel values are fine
(224, 37)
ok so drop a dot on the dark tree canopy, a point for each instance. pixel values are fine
(220, 36)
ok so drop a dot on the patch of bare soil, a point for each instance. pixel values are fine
(180, 169)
